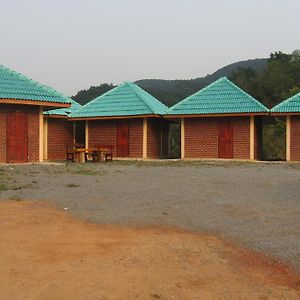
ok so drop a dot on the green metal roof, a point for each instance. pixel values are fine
(126, 99)
(14, 85)
(220, 97)
(291, 105)
(63, 111)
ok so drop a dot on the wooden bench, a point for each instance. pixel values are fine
(72, 150)
(106, 150)
(71, 153)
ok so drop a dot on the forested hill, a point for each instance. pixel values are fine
(172, 91)
(268, 80)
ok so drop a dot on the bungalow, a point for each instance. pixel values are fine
(220, 121)
(59, 132)
(127, 118)
(290, 108)
(22, 102)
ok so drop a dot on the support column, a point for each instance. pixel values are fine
(145, 137)
(86, 134)
(288, 138)
(41, 134)
(45, 138)
(74, 133)
(252, 138)
(182, 138)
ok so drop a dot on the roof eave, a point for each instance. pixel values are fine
(216, 115)
(35, 102)
(284, 113)
(114, 117)
(55, 116)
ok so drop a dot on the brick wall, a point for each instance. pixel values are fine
(33, 130)
(295, 138)
(2, 135)
(104, 132)
(165, 138)
(33, 134)
(154, 138)
(136, 138)
(241, 144)
(60, 135)
(201, 137)
(258, 137)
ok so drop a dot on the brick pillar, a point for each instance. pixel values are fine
(288, 138)
(182, 138)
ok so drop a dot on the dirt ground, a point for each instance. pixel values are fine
(253, 204)
(48, 254)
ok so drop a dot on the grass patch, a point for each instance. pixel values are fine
(87, 172)
(184, 163)
(15, 198)
(2, 173)
(20, 187)
(84, 170)
(72, 185)
(4, 187)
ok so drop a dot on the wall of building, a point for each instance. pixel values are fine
(33, 130)
(157, 138)
(295, 138)
(2, 134)
(241, 145)
(136, 138)
(60, 135)
(201, 137)
(104, 132)
(258, 138)
(154, 135)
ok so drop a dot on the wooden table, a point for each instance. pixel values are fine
(80, 153)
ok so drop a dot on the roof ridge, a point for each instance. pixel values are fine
(134, 86)
(247, 94)
(21, 76)
(224, 90)
(196, 93)
(284, 102)
(99, 97)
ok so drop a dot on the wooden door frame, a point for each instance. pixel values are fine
(221, 123)
(117, 125)
(16, 111)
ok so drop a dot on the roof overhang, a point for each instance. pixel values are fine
(114, 117)
(35, 102)
(285, 113)
(55, 117)
(216, 115)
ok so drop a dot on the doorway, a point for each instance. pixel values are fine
(225, 139)
(122, 139)
(17, 137)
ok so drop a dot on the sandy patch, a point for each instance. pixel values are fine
(47, 254)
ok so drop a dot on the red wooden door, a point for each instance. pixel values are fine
(225, 140)
(122, 139)
(17, 137)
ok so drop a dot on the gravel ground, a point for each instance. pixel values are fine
(254, 204)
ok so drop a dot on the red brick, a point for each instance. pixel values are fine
(104, 132)
(154, 138)
(295, 138)
(33, 130)
(60, 135)
(201, 137)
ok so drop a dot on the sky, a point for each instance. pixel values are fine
(71, 45)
